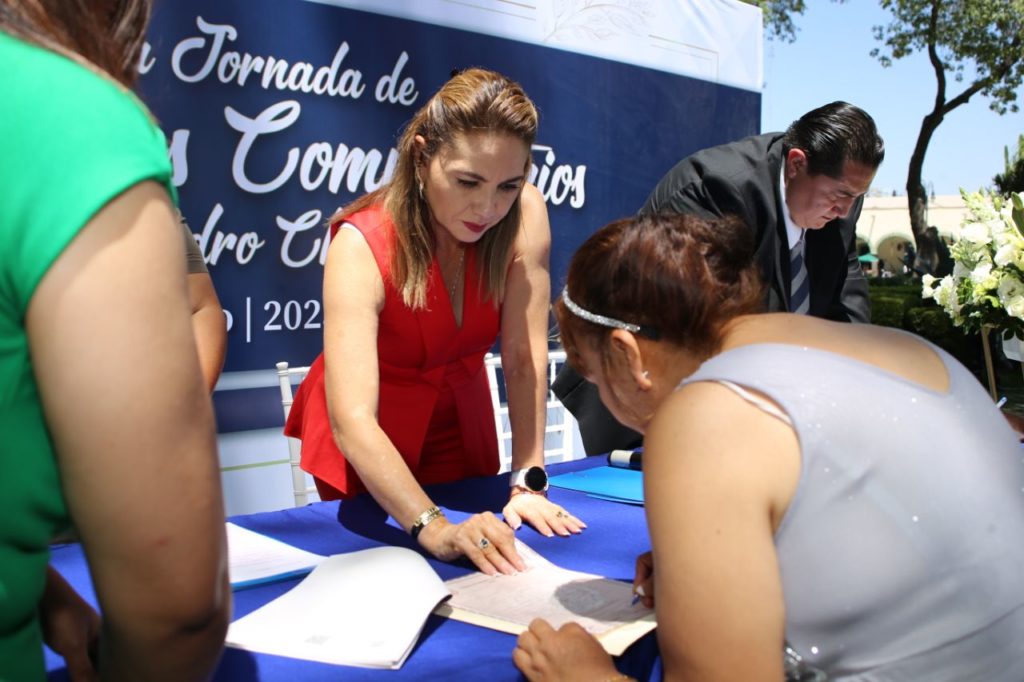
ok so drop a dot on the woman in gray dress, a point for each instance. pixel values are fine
(850, 490)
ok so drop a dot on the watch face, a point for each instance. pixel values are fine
(536, 479)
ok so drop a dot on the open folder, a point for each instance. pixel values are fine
(508, 603)
(255, 559)
(364, 609)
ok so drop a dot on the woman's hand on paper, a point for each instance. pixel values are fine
(482, 538)
(541, 513)
(71, 627)
(643, 583)
(568, 654)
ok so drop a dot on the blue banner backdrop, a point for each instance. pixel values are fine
(278, 112)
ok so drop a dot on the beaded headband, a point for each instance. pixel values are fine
(605, 321)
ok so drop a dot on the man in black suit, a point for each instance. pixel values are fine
(800, 192)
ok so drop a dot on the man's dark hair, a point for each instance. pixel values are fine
(833, 134)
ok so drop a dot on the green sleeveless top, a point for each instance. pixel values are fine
(70, 141)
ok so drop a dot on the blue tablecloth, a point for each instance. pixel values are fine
(447, 650)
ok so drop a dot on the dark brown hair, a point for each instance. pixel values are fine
(105, 33)
(833, 134)
(474, 100)
(681, 275)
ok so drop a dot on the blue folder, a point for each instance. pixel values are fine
(607, 483)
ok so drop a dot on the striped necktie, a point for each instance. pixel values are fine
(799, 287)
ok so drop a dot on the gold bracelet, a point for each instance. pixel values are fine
(621, 677)
(423, 519)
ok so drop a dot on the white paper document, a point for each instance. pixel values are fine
(508, 603)
(254, 559)
(363, 609)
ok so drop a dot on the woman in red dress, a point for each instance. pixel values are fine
(421, 276)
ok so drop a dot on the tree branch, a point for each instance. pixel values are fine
(997, 74)
(933, 57)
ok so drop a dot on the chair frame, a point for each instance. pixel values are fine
(285, 376)
(565, 450)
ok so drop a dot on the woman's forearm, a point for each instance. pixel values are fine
(525, 371)
(381, 468)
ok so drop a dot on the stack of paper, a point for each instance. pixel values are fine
(254, 559)
(507, 603)
(364, 609)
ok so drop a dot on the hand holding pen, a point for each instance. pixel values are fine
(643, 582)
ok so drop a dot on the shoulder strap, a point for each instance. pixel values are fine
(757, 401)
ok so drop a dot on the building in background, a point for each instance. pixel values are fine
(884, 227)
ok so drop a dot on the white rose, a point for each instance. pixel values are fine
(1007, 254)
(1011, 295)
(1010, 286)
(976, 233)
(926, 286)
(945, 295)
(983, 279)
(1015, 307)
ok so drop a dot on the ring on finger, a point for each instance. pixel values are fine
(483, 544)
(561, 514)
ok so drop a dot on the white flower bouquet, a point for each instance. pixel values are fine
(986, 288)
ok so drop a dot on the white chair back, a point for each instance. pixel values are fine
(560, 427)
(559, 431)
(300, 483)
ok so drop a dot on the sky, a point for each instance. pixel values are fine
(831, 60)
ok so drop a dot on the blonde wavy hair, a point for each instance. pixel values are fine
(474, 100)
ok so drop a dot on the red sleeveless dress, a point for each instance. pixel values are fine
(434, 401)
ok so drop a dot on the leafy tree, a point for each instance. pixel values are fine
(983, 35)
(778, 17)
(1012, 178)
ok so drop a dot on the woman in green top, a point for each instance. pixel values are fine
(104, 415)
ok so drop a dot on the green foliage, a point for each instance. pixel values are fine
(1012, 178)
(900, 305)
(896, 281)
(980, 39)
(778, 17)
(987, 35)
(929, 322)
(887, 311)
(934, 325)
